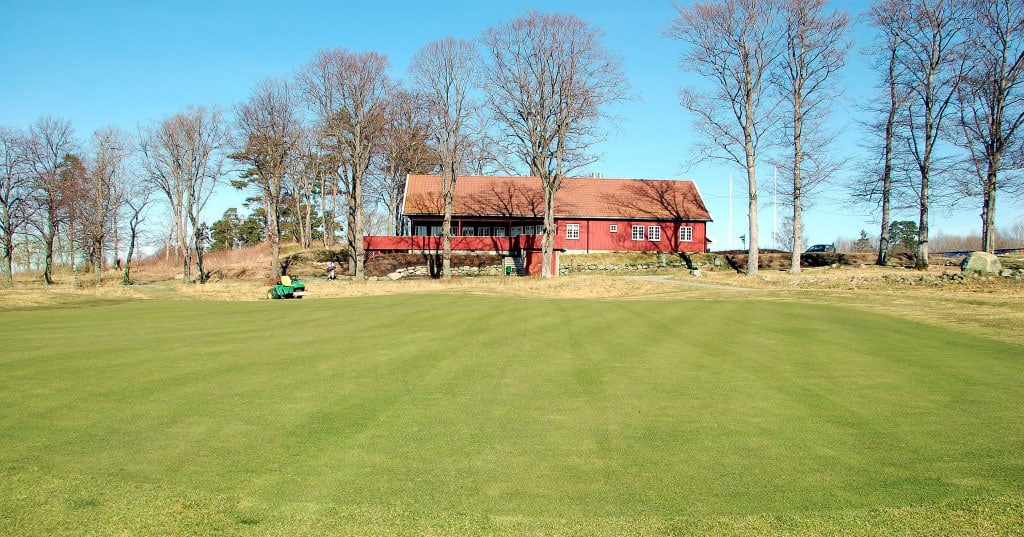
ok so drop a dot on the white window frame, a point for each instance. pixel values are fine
(468, 231)
(420, 231)
(435, 231)
(528, 230)
(638, 233)
(654, 233)
(686, 234)
(614, 228)
(499, 231)
(483, 231)
(572, 232)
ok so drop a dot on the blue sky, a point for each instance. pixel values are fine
(128, 63)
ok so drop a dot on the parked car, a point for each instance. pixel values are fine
(821, 249)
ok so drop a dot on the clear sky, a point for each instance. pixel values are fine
(126, 63)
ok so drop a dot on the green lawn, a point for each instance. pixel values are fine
(459, 415)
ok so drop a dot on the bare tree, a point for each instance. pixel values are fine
(443, 71)
(549, 80)
(815, 50)
(102, 191)
(303, 183)
(318, 84)
(878, 187)
(785, 237)
(932, 57)
(732, 44)
(50, 141)
(348, 93)
(483, 154)
(137, 196)
(14, 194)
(992, 107)
(74, 206)
(405, 152)
(269, 137)
(184, 156)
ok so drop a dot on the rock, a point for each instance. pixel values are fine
(1006, 273)
(981, 263)
(695, 273)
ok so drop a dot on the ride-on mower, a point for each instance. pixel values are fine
(288, 288)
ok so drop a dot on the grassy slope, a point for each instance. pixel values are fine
(452, 414)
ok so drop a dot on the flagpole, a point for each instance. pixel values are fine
(730, 210)
(775, 206)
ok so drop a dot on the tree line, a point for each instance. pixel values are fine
(946, 118)
(324, 151)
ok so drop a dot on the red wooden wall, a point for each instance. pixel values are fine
(596, 235)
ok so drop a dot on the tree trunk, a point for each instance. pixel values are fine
(884, 238)
(794, 267)
(988, 209)
(752, 250)
(548, 241)
(133, 225)
(97, 245)
(274, 235)
(323, 211)
(197, 240)
(356, 227)
(393, 216)
(751, 162)
(921, 263)
(448, 192)
(7, 247)
(7, 266)
(48, 253)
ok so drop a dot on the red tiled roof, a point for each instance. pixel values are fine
(578, 197)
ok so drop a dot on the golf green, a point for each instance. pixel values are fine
(452, 414)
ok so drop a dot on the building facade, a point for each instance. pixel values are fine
(505, 214)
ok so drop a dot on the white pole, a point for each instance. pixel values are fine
(730, 210)
(775, 206)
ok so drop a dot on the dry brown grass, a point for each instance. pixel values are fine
(250, 262)
(32, 294)
(986, 307)
(990, 307)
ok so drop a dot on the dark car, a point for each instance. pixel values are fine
(821, 249)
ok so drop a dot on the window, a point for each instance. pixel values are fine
(468, 231)
(614, 228)
(517, 231)
(499, 232)
(638, 233)
(420, 231)
(686, 234)
(654, 233)
(435, 231)
(528, 230)
(483, 231)
(572, 231)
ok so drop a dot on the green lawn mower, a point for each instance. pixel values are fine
(288, 288)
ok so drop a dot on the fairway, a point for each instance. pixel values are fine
(451, 414)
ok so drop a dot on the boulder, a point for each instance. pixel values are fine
(981, 263)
